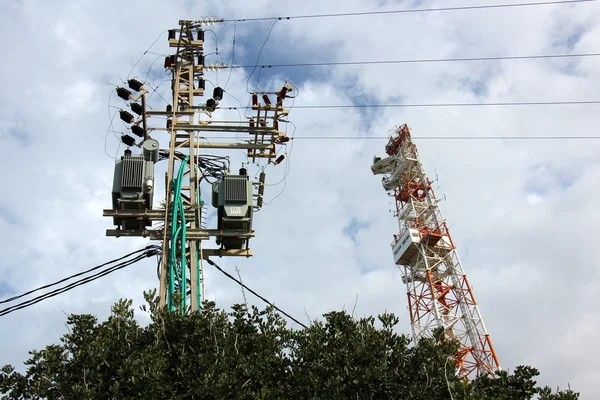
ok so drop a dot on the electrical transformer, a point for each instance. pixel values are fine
(232, 196)
(133, 185)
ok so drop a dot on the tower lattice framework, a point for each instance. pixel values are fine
(439, 293)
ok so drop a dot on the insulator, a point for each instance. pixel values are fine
(279, 159)
(283, 92)
(137, 108)
(243, 171)
(127, 117)
(211, 104)
(200, 59)
(276, 125)
(123, 93)
(135, 84)
(169, 61)
(218, 93)
(171, 33)
(201, 83)
(169, 123)
(283, 139)
(254, 100)
(279, 101)
(251, 122)
(138, 130)
(169, 108)
(127, 152)
(128, 140)
(266, 99)
(200, 34)
(262, 122)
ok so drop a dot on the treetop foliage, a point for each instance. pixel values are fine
(247, 353)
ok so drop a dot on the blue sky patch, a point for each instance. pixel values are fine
(351, 230)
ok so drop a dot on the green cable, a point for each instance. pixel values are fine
(178, 225)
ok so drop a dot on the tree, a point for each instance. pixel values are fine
(248, 353)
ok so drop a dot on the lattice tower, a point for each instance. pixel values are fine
(439, 294)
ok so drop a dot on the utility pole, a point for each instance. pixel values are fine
(439, 293)
(235, 197)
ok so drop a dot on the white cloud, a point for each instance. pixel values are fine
(522, 212)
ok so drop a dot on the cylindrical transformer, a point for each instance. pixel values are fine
(150, 150)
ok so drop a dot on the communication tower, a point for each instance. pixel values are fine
(439, 294)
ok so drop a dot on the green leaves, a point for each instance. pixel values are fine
(248, 353)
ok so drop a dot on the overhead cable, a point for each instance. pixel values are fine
(254, 293)
(432, 138)
(412, 10)
(414, 105)
(144, 253)
(73, 276)
(419, 61)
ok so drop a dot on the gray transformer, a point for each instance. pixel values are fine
(232, 196)
(133, 190)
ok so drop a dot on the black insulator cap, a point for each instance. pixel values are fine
(125, 116)
(218, 93)
(169, 108)
(201, 84)
(266, 99)
(201, 60)
(243, 171)
(138, 130)
(127, 152)
(128, 140)
(135, 84)
(211, 104)
(200, 34)
(171, 33)
(123, 93)
(137, 108)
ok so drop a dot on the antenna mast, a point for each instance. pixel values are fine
(439, 294)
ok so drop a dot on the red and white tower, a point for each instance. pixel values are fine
(439, 294)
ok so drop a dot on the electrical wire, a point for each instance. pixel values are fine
(146, 252)
(419, 61)
(532, 103)
(437, 138)
(258, 58)
(254, 293)
(149, 48)
(286, 171)
(232, 56)
(413, 10)
(73, 276)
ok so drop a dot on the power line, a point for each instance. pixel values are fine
(434, 137)
(419, 61)
(147, 252)
(72, 276)
(415, 105)
(256, 294)
(525, 103)
(414, 10)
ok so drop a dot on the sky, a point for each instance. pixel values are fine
(522, 212)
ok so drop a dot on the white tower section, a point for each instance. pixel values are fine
(439, 294)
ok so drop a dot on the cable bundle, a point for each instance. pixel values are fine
(124, 261)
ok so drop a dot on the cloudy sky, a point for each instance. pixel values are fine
(521, 211)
